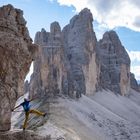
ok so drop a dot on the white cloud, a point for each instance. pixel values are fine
(112, 13)
(135, 63)
(136, 71)
(134, 56)
(100, 29)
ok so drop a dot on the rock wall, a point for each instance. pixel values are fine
(80, 56)
(72, 62)
(114, 63)
(47, 75)
(67, 60)
(16, 54)
(133, 82)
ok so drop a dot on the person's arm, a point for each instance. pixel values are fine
(16, 107)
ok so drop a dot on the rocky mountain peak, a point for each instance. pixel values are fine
(84, 18)
(86, 13)
(40, 37)
(88, 65)
(43, 30)
(55, 28)
(115, 62)
(14, 22)
(68, 57)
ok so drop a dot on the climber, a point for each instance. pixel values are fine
(26, 107)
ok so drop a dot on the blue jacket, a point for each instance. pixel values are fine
(26, 105)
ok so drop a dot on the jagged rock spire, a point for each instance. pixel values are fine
(115, 64)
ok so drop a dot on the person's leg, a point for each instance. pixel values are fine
(26, 119)
(37, 112)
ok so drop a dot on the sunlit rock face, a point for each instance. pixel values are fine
(80, 56)
(16, 54)
(73, 63)
(47, 76)
(114, 64)
(67, 60)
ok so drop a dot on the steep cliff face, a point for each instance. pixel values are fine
(79, 49)
(16, 54)
(67, 60)
(133, 82)
(73, 63)
(114, 63)
(47, 75)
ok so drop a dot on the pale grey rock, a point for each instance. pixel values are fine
(41, 38)
(114, 64)
(79, 50)
(81, 65)
(133, 82)
(67, 60)
(47, 75)
(16, 54)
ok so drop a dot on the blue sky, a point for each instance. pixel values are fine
(123, 16)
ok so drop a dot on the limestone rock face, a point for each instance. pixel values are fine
(79, 49)
(67, 60)
(47, 75)
(133, 82)
(72, 62)
(114, 64)
(16, 54)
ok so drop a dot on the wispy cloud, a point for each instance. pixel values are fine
(135, 63)
(134, 55)
(136, 71)
(111, 13)
(100, 29)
